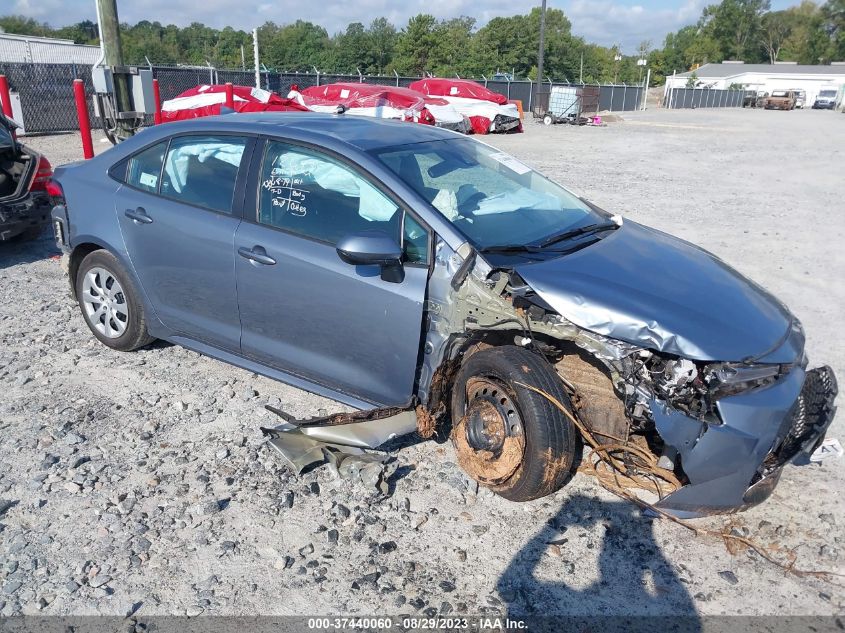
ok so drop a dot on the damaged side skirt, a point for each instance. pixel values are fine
(340, 440)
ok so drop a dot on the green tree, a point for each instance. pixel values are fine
(415, 45)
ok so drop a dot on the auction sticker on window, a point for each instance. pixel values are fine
(148, 180)
(510, 162)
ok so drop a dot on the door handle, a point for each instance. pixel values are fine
(138, 215)
(256, 254)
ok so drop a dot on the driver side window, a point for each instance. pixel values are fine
(316, 196)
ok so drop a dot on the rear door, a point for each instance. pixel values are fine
(178, 210)
(305, 311)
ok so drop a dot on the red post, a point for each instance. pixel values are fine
(157, 97)
(82, 115)
(230, 96)
(6, 98)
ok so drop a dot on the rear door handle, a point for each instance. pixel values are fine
(256, 254)
(138, 215)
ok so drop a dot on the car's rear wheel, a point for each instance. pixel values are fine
(507, 436)
(110, 303)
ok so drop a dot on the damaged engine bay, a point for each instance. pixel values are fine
(693, 416)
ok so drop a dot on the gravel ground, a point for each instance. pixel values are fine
(140, 481)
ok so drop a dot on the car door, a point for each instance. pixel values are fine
(178, 211)
(305, 311)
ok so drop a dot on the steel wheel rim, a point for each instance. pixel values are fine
(105, 302)
(492, 455)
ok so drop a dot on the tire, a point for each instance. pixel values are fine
(119, 321)
(534, 457)
(548, 120)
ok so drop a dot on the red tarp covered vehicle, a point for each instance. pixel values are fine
(487, 111)
(384, 102)
(207, 100)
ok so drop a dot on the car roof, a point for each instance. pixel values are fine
(363, 133)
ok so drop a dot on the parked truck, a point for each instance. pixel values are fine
(780, 100)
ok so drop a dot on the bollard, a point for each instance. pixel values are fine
(230, 96)
(82, 115)
(157, 98)
(6, 99)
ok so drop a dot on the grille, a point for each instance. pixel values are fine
(812, 415)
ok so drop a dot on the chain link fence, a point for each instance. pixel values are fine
(47, 102)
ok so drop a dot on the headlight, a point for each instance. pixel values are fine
(726, 379)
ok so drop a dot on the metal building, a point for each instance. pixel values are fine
(765, 77)
(28, 49)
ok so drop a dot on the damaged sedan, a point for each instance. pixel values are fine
(443, 287)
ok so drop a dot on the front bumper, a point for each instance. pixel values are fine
(823, 106)
(736, 465)
(33, 210)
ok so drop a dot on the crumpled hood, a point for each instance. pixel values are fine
(656, 291)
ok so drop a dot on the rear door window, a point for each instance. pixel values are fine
(145, 168)
(203, 170)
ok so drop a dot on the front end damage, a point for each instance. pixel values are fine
(725, 429)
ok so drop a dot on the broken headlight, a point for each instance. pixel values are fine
(727, 379)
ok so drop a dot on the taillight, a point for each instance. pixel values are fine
(55, 191)
(42, 175)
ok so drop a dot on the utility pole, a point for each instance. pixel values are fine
(541, 53)
(113, 57)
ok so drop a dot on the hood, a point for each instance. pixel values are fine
(656, 291)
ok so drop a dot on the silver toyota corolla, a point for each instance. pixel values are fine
(444, 287)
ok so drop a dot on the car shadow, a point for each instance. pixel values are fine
(637, 589)
(16, 252)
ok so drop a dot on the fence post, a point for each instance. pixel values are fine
(157, 99)
(509, 87)
(612, 88)
(530, 95)
(397, 77)
(624, 95)
(230, 96)
(82, 115)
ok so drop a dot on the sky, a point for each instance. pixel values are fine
(606, 22)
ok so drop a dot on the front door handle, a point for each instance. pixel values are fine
(256, 254)
(138, 215)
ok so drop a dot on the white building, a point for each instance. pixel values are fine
(28, 49)
(766, 77)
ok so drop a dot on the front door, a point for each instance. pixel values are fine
(176, 217)
(305, 311)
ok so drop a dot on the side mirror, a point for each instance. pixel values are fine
(373, 248)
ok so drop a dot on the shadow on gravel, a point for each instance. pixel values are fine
(16, 252)
(637, 589)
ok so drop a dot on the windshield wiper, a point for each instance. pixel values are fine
(511, 248)
(582, 230)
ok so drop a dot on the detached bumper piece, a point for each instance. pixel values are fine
(340, 440)
(736, 465)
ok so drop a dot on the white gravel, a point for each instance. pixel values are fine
(142, 478)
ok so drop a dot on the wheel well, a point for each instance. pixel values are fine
(79, 253)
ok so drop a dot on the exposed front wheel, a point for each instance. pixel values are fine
(548, 120)
(507, 436)
(110, 303)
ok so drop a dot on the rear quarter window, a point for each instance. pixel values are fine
(143, 170)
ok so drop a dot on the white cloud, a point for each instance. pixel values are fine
(608, 22)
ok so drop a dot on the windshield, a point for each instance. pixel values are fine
(827, 93)
(493, 198)
(779, 93)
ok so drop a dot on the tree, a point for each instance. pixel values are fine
(383, 38)
(415, 45)
(776, 28)
(735, 26)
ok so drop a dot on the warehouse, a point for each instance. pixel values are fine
(766, 77)
(28, 49)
